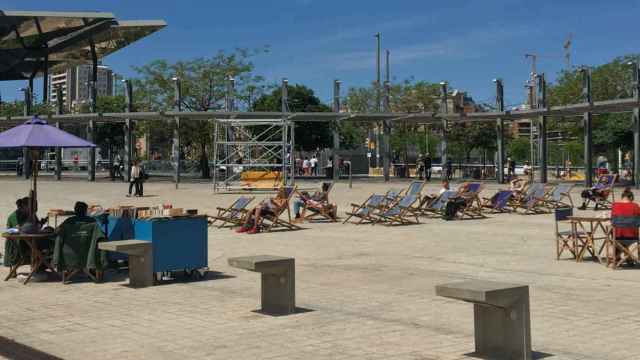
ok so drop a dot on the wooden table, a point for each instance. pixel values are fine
(37, 257)
(586, 231)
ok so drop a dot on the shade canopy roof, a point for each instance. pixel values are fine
(27, 38)
(36, 133)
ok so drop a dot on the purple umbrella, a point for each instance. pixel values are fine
(37, 134)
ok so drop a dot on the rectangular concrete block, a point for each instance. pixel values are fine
(140, 259)
(501, 316)
(277, 281)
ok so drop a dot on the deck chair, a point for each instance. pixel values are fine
(391, 197)
(438, 205)
(273, 220)
(472, 208)
(325, 210)
(607, 197)
(76, 250)
(415, 188)
(559, 196)
(533, 200)
(499, 202)
(629, 250)
(233, 214)
(402, 213)
(365, 211)
(565, 239)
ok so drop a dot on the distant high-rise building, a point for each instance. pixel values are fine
(75, 85)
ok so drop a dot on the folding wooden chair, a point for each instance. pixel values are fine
(365, 211)
(274, 219)
(622, 250)
(233, 214)
(559, 196)
(499, 202)
(565, 238)
(606, 195)
(400, 214)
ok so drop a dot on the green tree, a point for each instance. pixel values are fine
(309, 135)
(518, 149)
(203, 86)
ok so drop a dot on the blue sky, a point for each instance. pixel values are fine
(467, 43)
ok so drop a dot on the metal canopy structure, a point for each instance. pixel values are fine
(34, 42)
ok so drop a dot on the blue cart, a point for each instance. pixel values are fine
(179, 244)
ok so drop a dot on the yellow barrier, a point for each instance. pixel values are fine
(259, 175)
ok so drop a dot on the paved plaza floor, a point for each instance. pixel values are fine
(370, 290)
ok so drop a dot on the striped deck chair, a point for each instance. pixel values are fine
(233, 214)
(499, 202)
(533, 201)
(402, 213)
(274, 220)
(437, 206)
(606, 196)
(325, 210)
(365, 211)
(473, 205)
(559, 196)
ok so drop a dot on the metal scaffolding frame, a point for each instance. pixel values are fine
(260, 144)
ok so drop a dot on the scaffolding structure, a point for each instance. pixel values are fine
(252, 145)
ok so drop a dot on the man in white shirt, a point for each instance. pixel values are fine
(314, 165)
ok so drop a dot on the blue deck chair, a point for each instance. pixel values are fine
(401, 213)
(533, 201)
(560, 196)
(275, 220)
(365, 211)
(438, 205)
(233, 214)
(499, 202)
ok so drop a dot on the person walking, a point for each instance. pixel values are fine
(427, 167)
(314, 165)
(116, 167)
(134, 178)
(449, 169)
(420, 167)
(329, 168)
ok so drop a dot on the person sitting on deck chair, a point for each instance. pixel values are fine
(600, 189)
(518, 186)
(254, 216)
(626, 208)
(80, 210)
(317, 199)
(445, 186)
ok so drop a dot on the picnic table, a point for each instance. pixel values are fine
(587, 230)
(37, 258)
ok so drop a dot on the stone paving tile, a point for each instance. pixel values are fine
(371, 289)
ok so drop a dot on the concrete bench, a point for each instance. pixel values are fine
(501, 316)
(140, 259)
(278, 281)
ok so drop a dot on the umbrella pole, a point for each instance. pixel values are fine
(33, 194)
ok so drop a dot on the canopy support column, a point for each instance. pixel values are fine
(336, 131)
(128, 131)
(500, 131)
(386, 132)
(94, 95)
(541, 94)
(587, 119)
(636, 124)
(444, 108)
(176, 132)
(59, 111)
(285, 123)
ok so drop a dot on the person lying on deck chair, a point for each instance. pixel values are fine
(518, 186)
(318, 199)
(254, 216)
(600, 189)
